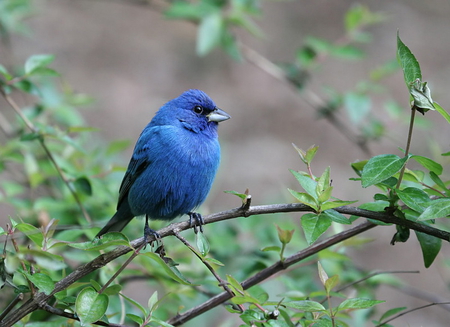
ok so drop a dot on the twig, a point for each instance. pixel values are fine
(40, 298)
(408, 144)
(271, 270)
(222, 283)
(409, 311)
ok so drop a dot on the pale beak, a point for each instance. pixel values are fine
(218, 115)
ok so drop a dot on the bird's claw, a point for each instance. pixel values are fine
(196, 221)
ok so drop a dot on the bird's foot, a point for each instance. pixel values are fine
(196, 221)
(151, 235)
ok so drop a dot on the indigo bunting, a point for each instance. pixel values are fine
(173, 165)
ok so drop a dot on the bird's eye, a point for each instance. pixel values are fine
(198, 109)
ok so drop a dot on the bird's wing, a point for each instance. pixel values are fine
(135, 168)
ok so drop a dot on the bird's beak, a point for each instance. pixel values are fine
(218, 115)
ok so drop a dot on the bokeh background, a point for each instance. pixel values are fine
(131, 60)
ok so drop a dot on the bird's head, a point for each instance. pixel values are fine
(195, 110)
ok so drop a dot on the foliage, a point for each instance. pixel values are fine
(56, 176)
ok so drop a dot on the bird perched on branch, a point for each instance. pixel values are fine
(173, 165)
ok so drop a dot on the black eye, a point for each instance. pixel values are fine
(198, 109)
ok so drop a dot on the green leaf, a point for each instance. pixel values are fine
(36, 62)
(305, 305)
(171, 271)
(359, 166)
(439, 182)
(235, 284)
(335, 204)
(152, 301)
(380, 168)
(408, 63)
(442, 111)
(144, 311)
(32, 232)
(83, 185)
(323, 276)
(430, 247)
(285, 235)
(214, 261)
(335, 216)
(209, 33)
(304, 198)
(109, 239)
(391, 312)
(113, 289)
(414, 198)
(42, 281)
(273, 248)
(202, 243)
(437, 209)
(331, 283)
(314, 225)
(358, 303)
(135, 318)
(429, 164)
(90, 306)
(308, 184)
(323, 183)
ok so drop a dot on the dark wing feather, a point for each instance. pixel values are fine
(135, 169)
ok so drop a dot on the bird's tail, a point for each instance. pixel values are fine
(120, 219)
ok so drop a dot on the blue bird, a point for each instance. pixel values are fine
(173, 165)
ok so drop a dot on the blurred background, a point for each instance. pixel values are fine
(132, 59)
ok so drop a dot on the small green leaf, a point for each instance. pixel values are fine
(414, 198)
(32, 232)
(83, 185)
(358, 303)
(113, 289)
(391, 312)
(144, 311)
(285, 235)
(335, 204)
(437, 209)
(308, 184)
(442, 111)
(381, 167)
(323, 276)
(171, 271)
(36, 62)
(430, 246)
(42, 281)
(314, 225)
(331, 283)
(109, 239)
(304, 198)
(439, 182)
(235, 284)
(323, 183)
(305, 305)
(359, 166)
(90, 306)
(202, 243)
(214, 261)
(209, 33)
(335, 216)
(273, 248)
(135, 318)
(429, 164)
(408, 63)
(152, 301)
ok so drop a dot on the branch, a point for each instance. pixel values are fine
(271, 270)
(40, 299)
